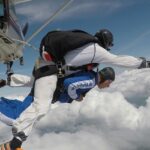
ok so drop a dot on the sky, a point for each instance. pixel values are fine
(115, 118)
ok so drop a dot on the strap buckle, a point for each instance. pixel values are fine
(61, 71)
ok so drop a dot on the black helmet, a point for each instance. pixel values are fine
(105, 38)
(107, 73)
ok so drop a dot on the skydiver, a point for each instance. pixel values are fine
(62, 53)
(74, 88)
(77, 85)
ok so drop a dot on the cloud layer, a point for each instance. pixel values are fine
(116, 118)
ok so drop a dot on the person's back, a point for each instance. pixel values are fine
(76, 86)
(58, 43)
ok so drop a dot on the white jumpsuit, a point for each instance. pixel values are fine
(45, 86)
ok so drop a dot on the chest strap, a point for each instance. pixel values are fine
(58, 69)
(87, 67)
(45, 71)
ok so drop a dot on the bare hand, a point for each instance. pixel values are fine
(5, 146)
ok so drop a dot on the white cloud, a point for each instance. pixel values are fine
(35, 11)
(107, 119)
(39, 11)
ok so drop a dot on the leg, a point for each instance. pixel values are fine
(43, 93)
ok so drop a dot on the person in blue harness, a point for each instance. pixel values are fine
(71, 88)
(77, 85)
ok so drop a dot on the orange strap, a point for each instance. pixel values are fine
(19, 149)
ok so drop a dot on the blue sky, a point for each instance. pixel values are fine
(129, 21)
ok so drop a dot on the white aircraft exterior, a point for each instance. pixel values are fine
(12, 35)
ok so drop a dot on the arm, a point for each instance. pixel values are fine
(40, 106)
(103, 56)
(16, 80)
(20, 80)
(96, 54)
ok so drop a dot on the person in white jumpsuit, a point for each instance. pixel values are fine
(44, 87)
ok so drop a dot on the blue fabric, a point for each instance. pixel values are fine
(64, 98)
(13, 108)
(77, 77)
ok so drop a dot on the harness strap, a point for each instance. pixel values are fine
(87, 67)
(58, 69)
(45, 71)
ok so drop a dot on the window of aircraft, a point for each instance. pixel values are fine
(1, 8)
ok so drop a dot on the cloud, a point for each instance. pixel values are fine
(107, 119)
(37, 11)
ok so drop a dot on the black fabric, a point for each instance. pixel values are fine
(42, 72)
(2, 83)
(60, 88)
(58, 43)
(148, 64)
(15, 143)
(143, 64)
(2, 22)
(83, 68)
(45, 71)
(9, 77)
(21, 135)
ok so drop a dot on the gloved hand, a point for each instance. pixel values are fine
(6, 82)
(15, 144)
(144, 64)
(7, 146)
(148, 64)
(2, 83)
(9, 77)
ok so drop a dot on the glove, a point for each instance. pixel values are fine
(148, 64)
(15, 144)
(5, 82)
(6, 146)
(9, 77)
(2, 83)
(144, 64)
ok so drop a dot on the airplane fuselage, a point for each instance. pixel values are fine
(10, 33)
